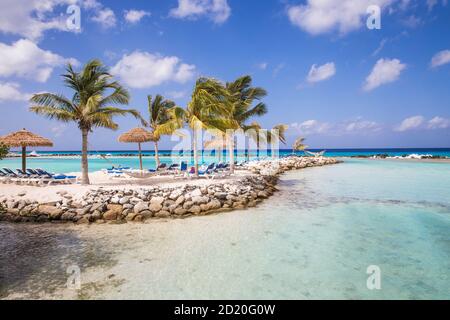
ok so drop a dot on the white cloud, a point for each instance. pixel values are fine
(176, 94)
(217, 10)
(432, 3)
(311, 127)
(106, 18)
(26, 60)
(410, 123)
(384, 71)
(10, 91)
(144, 70)
(323, 16)
(321, 73)
(360, 125)
(59, 130)
(355, 126)
(440, 58)
(134, 16)
(262, 65)
(439, 123)
(31, 18)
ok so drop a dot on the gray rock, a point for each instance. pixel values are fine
(155, 207)
(162, 214)
(195, 209)
(200, 199)
(124, 200)
(140, 206)
(157, 200)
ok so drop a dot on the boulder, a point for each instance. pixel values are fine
(155, 207)
(110, 215)
(140, 206)
(83, 220)
(195, 209)
(180, 211)
(200, 199)
(51, 211)
(162, 214)
(196, 193)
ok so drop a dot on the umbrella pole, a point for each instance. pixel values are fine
(24, 159)
(140, 156)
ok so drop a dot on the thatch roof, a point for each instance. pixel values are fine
(24, 138)
(136, 135)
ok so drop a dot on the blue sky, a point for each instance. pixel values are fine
(329, 77)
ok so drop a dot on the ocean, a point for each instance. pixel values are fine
(316, 238)
(71, 160)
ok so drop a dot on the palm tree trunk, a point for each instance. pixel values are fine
(140, 157)
(231, 145)
(24, 159)
(157, 154)
(84, 157)
(194, 146)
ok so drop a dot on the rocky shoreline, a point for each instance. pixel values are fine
(102, 205)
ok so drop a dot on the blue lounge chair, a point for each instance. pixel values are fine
(56, 177)
(162, 166)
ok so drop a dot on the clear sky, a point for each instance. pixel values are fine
(329, 76)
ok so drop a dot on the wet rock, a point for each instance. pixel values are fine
(51, 211)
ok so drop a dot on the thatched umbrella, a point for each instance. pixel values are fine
(137, 135)
(24, 139)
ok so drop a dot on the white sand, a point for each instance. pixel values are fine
(100, 179)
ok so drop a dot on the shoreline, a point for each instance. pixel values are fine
(121, 203)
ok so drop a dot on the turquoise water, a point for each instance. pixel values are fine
(314, 239)
(96, 163)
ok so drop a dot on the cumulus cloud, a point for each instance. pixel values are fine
(323, 16)
(144, 70)
(25, 59)
(384, 71)
(410, 123)
(105, 17)
(361, 125)
(354, 126)
(438, 123)
(134, 16)
(321, 73)
(10, 91)
(440, 58)
(31, 18)
(217, 10)
(309, 127)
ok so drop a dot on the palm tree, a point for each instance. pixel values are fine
(242, 96)
(159, 110)
(91, 105)
(207, 110)
(299, 145)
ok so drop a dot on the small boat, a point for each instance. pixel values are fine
(34, 154)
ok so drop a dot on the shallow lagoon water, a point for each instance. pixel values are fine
(313, 239)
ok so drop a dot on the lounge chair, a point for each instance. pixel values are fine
(59, 178)
(161, 167)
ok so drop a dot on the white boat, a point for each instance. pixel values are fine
(34, 154)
